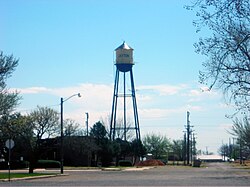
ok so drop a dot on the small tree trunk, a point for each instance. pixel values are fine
(31, 169)
(33, 161)
(32, 165)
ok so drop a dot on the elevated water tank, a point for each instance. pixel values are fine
(124, 57)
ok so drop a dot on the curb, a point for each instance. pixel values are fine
(140, 168)
(128, 169)
(34, 177)
(111, 169)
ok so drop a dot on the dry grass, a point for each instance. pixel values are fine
(245, 164)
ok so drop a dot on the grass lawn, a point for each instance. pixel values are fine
(21, 175)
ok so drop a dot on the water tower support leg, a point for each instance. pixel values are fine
(136, 119)
(114, 107)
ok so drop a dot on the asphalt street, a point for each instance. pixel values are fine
(215, 174)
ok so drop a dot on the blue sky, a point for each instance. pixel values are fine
(65, 47)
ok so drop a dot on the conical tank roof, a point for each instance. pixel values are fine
(124, 46)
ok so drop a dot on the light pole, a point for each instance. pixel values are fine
(62, 101)
(87, 123)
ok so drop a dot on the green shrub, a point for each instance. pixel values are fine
(48, 164)
(125, 163)
(19, 164)
(15, 164)
(3, 165)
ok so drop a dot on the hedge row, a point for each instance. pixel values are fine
(48, 164)
(125, 163)
(14, 165)
(25, 164)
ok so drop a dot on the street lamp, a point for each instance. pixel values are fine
(87, 122)
(62, 101)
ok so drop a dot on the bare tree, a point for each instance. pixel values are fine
(45, 122)
(71, 128)
(120, 128)
(227, 49)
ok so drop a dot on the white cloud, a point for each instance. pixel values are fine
(143, 98)
(201, 94)
(157, 113)
(195, 93)
(205, 89)
(32, 90)
(226, 106)
(225, 126)
(90, 93)
(97, 98)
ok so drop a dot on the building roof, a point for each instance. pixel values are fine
(210, 157)
(124, 46)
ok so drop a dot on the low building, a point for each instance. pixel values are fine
(211, 158)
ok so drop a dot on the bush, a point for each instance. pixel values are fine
(48, 164)
(19, 164)
(14, 165)
(197, 163)
(3, 165)
(125, 163)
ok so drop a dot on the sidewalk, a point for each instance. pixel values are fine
(56, 172)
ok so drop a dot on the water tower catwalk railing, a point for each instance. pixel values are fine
(124, 64)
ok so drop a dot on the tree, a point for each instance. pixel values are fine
(227, 49)
(8, 100)
(224, 151)
(157, 145)
(120, 131)
(16, 127)
(98, 131)
(44, 122)
(138, 150)
(71, 128)
(79, 150)
(177, 147)
(231, 151)
(13, 125)
(241, 129)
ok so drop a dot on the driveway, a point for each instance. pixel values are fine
(215, 174)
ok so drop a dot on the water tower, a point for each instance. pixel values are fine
(124, 94)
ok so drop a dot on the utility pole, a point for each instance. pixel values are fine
(61, 146)
(194, 146)
(241, 160)
(87, 123)
(87, 129)
(234, 155)
(185, 149)
(229, 149)
(191, 147)
(188, 138)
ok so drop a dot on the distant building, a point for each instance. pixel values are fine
(78, 150)
(211, 158)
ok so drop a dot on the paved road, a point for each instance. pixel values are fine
(215, 174)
